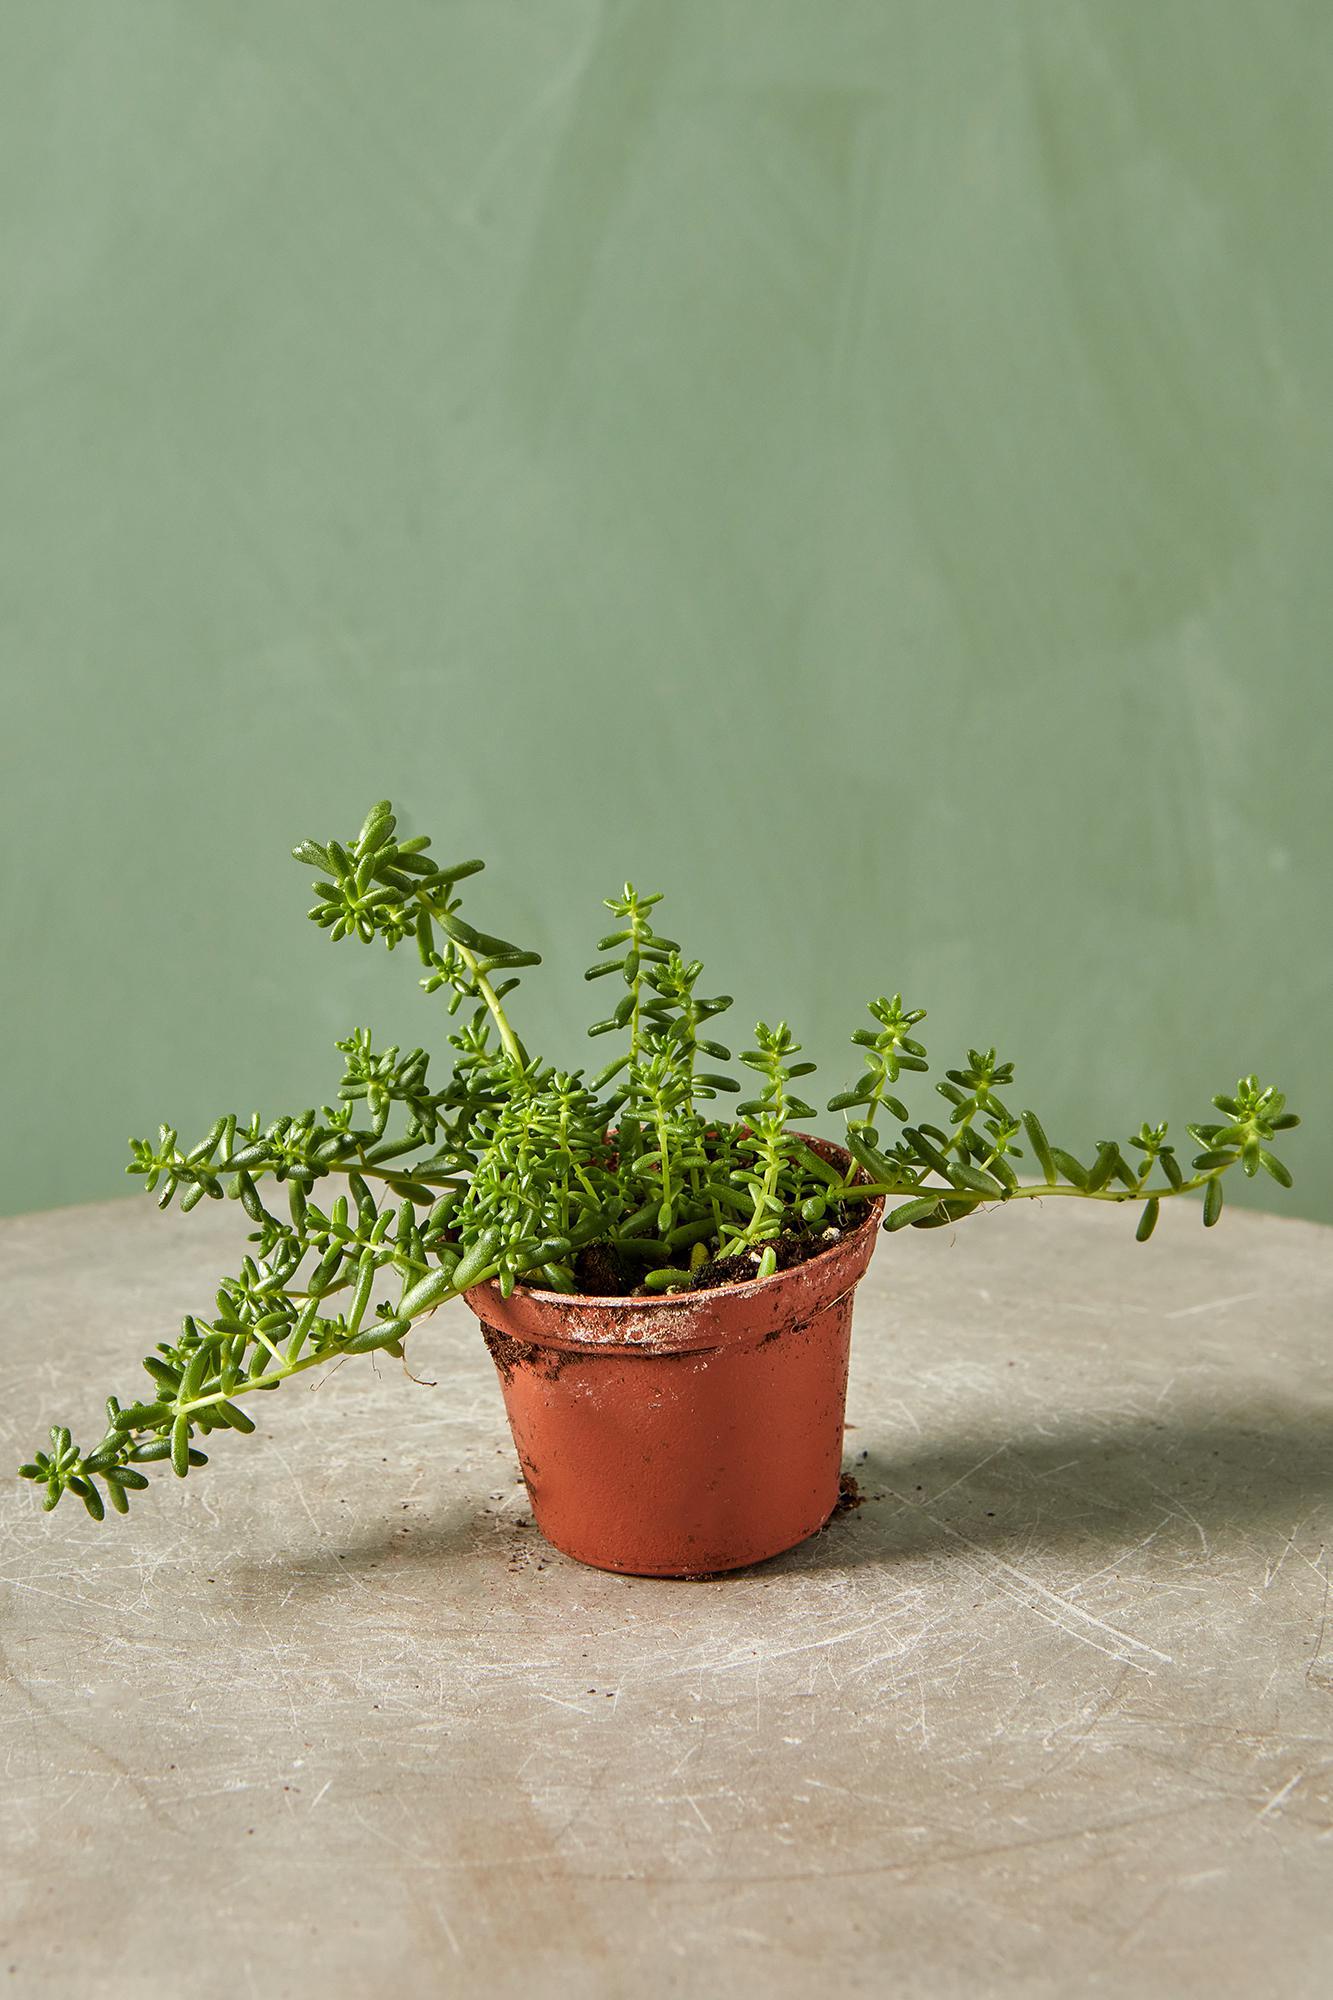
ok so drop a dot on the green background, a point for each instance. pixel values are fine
(863, 467)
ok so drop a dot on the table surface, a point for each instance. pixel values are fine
(1051, 1713)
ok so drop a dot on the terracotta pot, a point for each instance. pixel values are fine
(681, 1435)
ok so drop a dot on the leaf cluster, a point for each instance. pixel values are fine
(370, 1212)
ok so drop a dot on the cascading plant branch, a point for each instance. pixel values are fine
(370, 1213)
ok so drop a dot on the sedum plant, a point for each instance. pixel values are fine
(373, 1211)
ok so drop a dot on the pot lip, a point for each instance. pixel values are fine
(706, 1295)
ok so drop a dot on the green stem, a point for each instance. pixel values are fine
(871, 1190)
(664, 1157)
(262, 1169)
(642, 933)
(358, 1166)
(870, 1111)
(513, 1047)
(289, 1368)
(691, 1013)
(270, 1381)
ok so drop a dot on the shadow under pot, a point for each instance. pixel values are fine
(688, 1433)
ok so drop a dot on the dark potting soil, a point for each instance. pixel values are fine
(600, 1272)
(794, 1246)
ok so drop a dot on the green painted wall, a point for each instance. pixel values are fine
(864, 466)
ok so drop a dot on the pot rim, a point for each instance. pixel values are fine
(706, 1295)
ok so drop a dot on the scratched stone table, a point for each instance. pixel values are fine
(1051, 1712)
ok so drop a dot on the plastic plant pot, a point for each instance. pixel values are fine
(689, 1433)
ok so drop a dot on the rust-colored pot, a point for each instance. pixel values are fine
(686, 1434)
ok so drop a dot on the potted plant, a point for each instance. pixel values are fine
(666, 1291)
